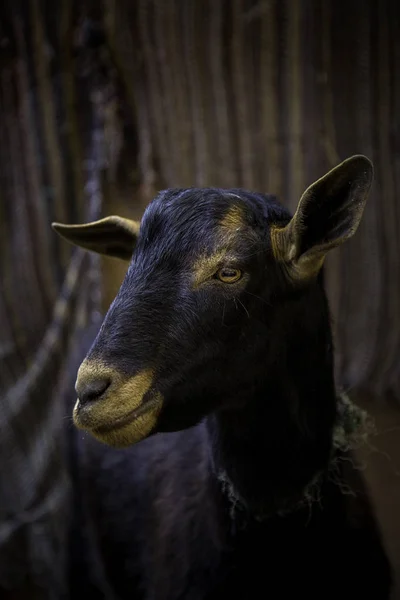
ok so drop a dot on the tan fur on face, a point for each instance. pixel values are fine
(134, 431)
(229, 227)
(206, 266)
(233, 219)
(116, 419)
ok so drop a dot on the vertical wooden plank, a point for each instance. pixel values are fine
(241, 93)
(41, 216)
(225, 147)
(270, 101)
(394, 134)
(292, 13)
(197, 111)
(152, 83)
(71, 109)
(49, 123)
(387, 226)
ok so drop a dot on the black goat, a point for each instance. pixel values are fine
(219, 342)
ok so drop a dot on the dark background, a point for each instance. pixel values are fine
(104, 103)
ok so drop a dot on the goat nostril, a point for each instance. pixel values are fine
(92, 390)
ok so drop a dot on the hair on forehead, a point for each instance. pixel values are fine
(186, 222)
(211, 205)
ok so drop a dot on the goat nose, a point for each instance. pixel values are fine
(91, 389)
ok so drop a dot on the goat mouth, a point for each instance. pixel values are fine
(155, 401)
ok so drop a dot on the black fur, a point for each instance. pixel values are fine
(247, 376)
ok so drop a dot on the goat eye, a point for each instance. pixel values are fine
(227, 275)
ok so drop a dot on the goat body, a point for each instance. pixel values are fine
(212, 379)
(156, 525)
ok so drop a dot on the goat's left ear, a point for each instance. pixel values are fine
(327, 215)
(112, 236)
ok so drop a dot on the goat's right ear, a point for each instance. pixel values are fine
(328, 214)
(112, 236)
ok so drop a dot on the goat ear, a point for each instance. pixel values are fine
(112, 236)
(328, 214)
